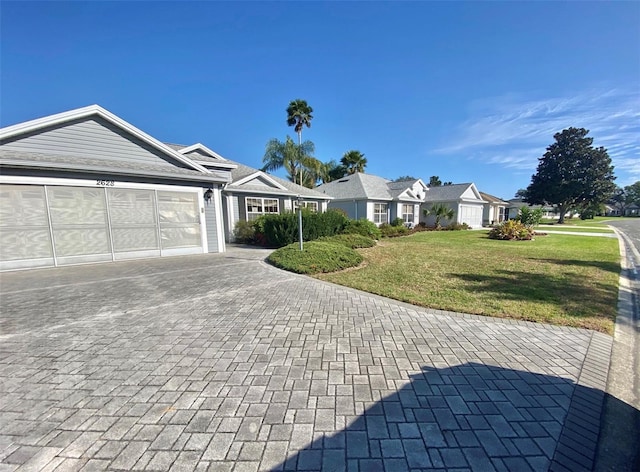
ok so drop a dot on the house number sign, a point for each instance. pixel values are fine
(105, 183)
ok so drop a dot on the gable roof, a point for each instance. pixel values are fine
(492, 199)
(361, 186)
(61, 161)
(452, 193)
(242, 175)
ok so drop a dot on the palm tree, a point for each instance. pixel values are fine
(290, 156)
(439, 211)
(299, 115)
(332, 171)
(354, 161)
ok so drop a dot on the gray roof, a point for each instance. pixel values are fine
(492, 199)
(446, 193)
(242, 171)
(60, 162)
(361, 186)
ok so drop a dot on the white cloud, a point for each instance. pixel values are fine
(514, 132)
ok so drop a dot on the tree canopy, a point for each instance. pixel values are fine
(632, 194)
(402, 178)
(572, 173)
(297, 160)
(354, 161)
(299, 115)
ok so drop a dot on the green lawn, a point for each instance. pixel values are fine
(559, 279)
(597, 221)
(573, 229)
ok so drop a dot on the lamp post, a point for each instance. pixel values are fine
(300, 221)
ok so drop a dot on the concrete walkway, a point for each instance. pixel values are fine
(224, 363)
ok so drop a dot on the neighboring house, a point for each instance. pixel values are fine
(494, 210)
(376, 199)
(86, 186)
(252, 192)
(632, 210)
(464, 199)
(514, 205)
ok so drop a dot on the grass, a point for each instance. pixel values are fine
(597, 221)
(559, 279)
(573, 229)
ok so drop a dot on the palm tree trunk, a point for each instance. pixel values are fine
(300, 152)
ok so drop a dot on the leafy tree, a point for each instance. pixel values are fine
(434, 181)
(632, 193)
(572, 173)
(354, 161)
(619, 199)
(439, 211)
(299, 115)
(332, 171)
(295, 159)
(402, 178)
(521, 193)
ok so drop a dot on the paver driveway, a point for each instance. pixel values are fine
(221, 362)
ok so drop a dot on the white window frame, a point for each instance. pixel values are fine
(263, 204)
(411, 213)
(313, 206)
(380, 213)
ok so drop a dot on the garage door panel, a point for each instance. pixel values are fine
(81, 241)
(74, 205)
(29, 243)
(135, 239)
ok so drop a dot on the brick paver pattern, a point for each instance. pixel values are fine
(224, 363)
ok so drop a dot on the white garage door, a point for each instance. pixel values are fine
(47, 225)
(472, 215)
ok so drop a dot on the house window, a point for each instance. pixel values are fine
(407, 213)
(261, 206)
(313, 206)
(380, 213)
(501, 214)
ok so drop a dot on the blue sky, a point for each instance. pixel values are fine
(466, 91)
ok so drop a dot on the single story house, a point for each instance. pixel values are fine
(464, 199)
(494, 211)
(548, 211)
(86, 186)
(375, 198)
(252, 192)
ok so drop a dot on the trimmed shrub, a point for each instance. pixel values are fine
(316, 257)
(511, 230)
(397, 222)
(389, 231)
(281, 230)
(354, 241)
(456, 227)
(244, 232)
(363, 227)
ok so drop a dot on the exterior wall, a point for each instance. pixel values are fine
(212, 223)
(92, 138)
(354, 209)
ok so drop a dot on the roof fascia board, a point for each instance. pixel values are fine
(260, 174)
(205, 177)
(85, 112)
(222, 165)
(201, 147)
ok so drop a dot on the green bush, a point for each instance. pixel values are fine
(354, 241)
(529, 217)
(456, 227)
(397, 222)
(317, 257)
(389, 231)
(511, 230)
(244, 232)
(281, 230)
(363, 227)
